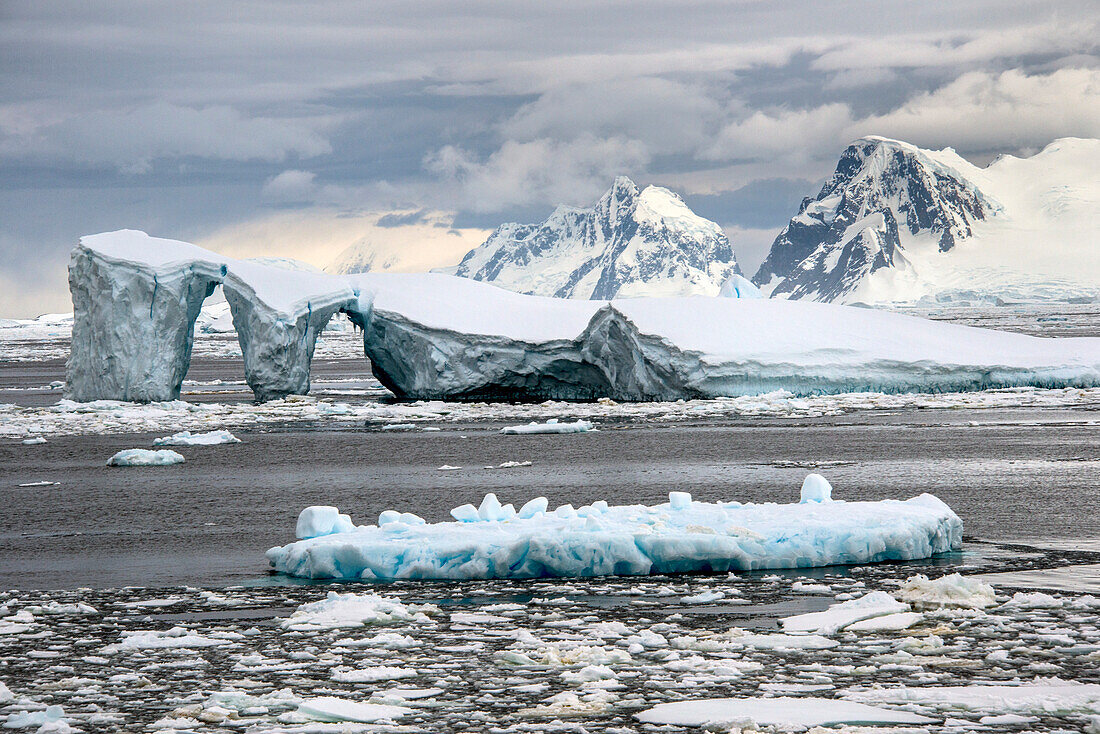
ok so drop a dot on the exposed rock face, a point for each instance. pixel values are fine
(631, 243)
(853, 227)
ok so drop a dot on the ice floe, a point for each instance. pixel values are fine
(550, 426)
(356, 610)
(186, 438)
(145, 457)
(782, 712)
(494, 541)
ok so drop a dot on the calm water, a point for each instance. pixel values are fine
(1016, 475)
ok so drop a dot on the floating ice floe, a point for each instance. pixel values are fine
(550, 426)
(34, 441)
(356, 610)
(186, 438)
(145, 457)
(1050, 696)
(954, 590)
(332, 709)
(843, 615)
(495, 541)
(782, 712)
(429, 335)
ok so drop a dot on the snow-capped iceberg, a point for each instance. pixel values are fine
(597, 540)
(437, 336)
(136, 298)
(501, 345)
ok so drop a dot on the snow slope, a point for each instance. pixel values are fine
(631, 243)
(897, 223)
(599, 540)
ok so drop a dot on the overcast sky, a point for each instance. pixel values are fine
(298, 128)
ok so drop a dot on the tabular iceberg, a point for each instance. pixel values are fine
(505, 346)
(597, 540)
(436, 336)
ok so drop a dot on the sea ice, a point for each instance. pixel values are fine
(954, 590)
(840, 616)
(355, 610)
(781, 712)
(186, 438)
(321, 520)
(550, 426)
(492, 541)
(145, 457)
(330, 708)
(1044, 696)
(816, 488)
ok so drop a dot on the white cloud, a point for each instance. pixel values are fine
(290, 187)
(317, 235)
(981, 111)
(539, 171)
(131, 139)
(787, 134)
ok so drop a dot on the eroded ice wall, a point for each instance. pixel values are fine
(134, 311)
(136, 298)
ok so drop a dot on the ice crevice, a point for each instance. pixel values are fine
(435, 336)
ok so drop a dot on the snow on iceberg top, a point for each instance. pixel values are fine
(271, 281)
(474, 307)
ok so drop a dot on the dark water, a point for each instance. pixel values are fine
(1019, 475)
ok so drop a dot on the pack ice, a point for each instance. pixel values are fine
(681, 535)
(435, 336)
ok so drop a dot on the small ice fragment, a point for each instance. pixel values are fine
(43, 483)
(679, 500)
(490, 508)
(33, 441)
(318, 520)
(550, 426)
(534, 507)
(388, 516)
(145, 457)
(399, 427)
(448, 467)
(816, 488)
(465, 513)
(186, 438)
(565, 511)
(410, 519)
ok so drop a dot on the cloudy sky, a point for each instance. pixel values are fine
(298, 128)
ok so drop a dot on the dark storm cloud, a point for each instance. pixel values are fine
(186, 117)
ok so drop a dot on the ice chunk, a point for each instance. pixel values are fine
(176, 637)
(839, 616)
(886, 623)
(816, 488)
(5, 693)
(33, 441)
(781, 712)
(738, 286)
(355, 610)
(332, 709)
(635, 539)
(145, 457)
(50, 715)
(679, 500)
(318, 520)
(490, 508)
(532, 508)
(186, 438)
(550, 426)
(1047, 697)
(466, 513)
(954, 590)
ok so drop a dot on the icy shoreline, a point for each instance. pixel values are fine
(679, 536)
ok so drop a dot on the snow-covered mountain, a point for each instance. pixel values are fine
(632, 243)
(898, 223)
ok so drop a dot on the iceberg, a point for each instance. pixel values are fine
(435, 336)
(679, 536)
(145, 457)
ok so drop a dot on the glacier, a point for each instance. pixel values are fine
(679, 536)
(435, 336)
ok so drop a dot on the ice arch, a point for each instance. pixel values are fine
(135, 301)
